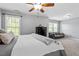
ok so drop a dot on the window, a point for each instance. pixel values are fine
(53, 27)
(12, 24)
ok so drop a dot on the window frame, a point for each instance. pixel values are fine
(52, 27)
(19, 17)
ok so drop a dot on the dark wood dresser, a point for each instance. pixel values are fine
(41, 31)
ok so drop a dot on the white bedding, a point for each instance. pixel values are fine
(27, 45)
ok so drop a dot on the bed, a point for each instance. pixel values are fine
(31, 45)
(6, 50)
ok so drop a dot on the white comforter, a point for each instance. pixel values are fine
(27, 45)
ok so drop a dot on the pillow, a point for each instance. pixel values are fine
(6, 37)
(43, 39)
(48, 41)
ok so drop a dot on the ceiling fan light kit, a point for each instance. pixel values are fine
(37, 6)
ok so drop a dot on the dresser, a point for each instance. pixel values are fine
(41, 31)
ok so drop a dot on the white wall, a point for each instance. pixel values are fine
(29, 22)
(71, 27)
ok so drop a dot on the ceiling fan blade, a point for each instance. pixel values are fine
(42, 10)
(48, 4)
(31, 9)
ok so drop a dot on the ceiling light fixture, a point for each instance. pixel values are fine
(37, 6)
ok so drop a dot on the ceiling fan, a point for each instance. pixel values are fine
(39, 6)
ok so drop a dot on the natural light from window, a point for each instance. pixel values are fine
(13, 24)
(53, 27)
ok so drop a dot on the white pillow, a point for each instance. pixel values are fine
(6, 37)
(43, 39)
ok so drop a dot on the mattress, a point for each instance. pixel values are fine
(27, 45)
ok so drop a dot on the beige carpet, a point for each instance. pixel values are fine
(71, 47)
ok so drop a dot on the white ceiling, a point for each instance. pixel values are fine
(60, 11)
